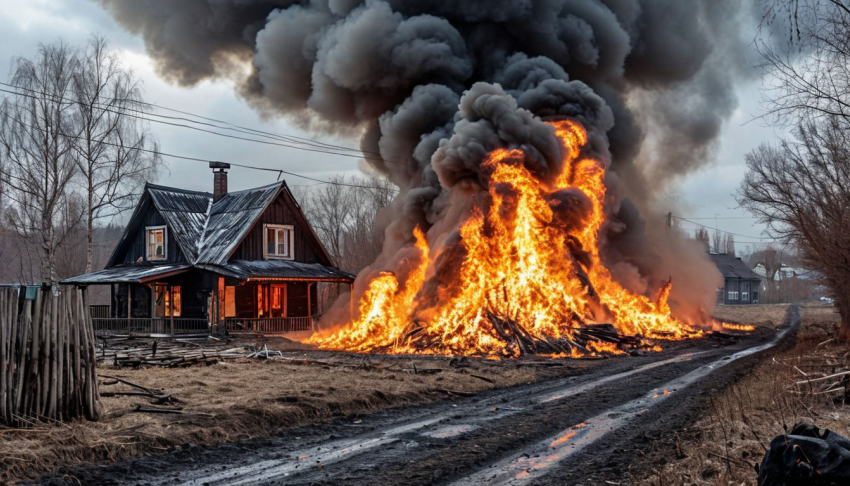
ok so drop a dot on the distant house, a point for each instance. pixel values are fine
(785, 272)
(740, 284)
(193, 261)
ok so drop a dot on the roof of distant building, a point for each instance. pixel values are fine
(733, 267)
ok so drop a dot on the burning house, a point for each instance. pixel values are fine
(193, 261)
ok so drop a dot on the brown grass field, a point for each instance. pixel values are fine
(241, 399)
(722, 447)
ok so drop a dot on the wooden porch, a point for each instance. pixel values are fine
(168, 327)
(270, 325)
(149, 327)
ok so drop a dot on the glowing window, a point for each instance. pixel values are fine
(278, 241)
(156, 243)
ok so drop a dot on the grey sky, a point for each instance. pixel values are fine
(25, 23)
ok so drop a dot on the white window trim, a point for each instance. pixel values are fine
(266, 255)
(733, 295)
(745, 295)
(164, 243)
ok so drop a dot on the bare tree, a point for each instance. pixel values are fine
(329, 209)
(717, 241)
(115, 153)
(771, 259)
(703, 237)
(345, 215)
(729, 244)
(807, 77)
(37, 159)
(801, 189)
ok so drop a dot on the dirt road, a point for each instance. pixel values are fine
(585, 429)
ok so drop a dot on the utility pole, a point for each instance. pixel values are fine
(669, 222)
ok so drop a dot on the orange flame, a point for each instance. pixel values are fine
(737, 327)
(521, 262)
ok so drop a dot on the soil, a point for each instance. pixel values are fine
(446, 441)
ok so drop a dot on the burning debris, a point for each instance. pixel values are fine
(525, 277)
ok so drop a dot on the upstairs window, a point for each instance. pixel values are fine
(156, 242)
(278, 242)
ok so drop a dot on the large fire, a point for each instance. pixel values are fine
(529, 272)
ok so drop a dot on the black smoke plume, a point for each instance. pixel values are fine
(434, 85)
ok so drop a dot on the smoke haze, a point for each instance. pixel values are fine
(434, 85)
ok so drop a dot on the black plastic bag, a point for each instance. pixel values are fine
(806, 456)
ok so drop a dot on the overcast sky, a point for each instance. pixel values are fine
(23, 24)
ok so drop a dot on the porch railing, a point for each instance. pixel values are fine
(149, 326)
(99, 311)
(269, 325)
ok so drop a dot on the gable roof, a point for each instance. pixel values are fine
(732, 267)
(186, 214)
(230, 219)
(209, 232)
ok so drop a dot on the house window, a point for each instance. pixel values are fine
(168, 301)
(733, 295)
(156, 242)
(745, 295)
(278, 242)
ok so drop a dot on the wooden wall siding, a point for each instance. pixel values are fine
(251, 247)
(140, 306)
(246, 300)
(119, 301)
(296, 299)
(137, 245)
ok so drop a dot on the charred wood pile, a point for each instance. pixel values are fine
(179, 353)
(584, 340)
(47, 356)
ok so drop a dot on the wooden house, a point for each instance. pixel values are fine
(193, 262)
(740, 284)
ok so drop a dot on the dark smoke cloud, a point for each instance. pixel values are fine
(652, 80)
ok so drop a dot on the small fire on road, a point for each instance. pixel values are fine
(524, 277)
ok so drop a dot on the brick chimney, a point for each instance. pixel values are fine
(219, 179)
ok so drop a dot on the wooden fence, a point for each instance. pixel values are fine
(269, 325)
(47, 356)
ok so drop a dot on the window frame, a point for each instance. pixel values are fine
(164, 229)
(291, 245)
(733, 295)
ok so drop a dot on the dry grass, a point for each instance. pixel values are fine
(722, 447)
(235, 400)
(758, 314)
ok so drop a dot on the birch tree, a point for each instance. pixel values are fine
(115, 154)
(36, 157)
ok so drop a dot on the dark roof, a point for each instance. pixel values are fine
(186, 214)
(283, 269)
(208, 232)
(127, 274)
(230, 219)
(732, 267)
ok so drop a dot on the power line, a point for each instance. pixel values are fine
(316, 149)
(725, 217)
(291, 138)
(195, 159)
(727, 232)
